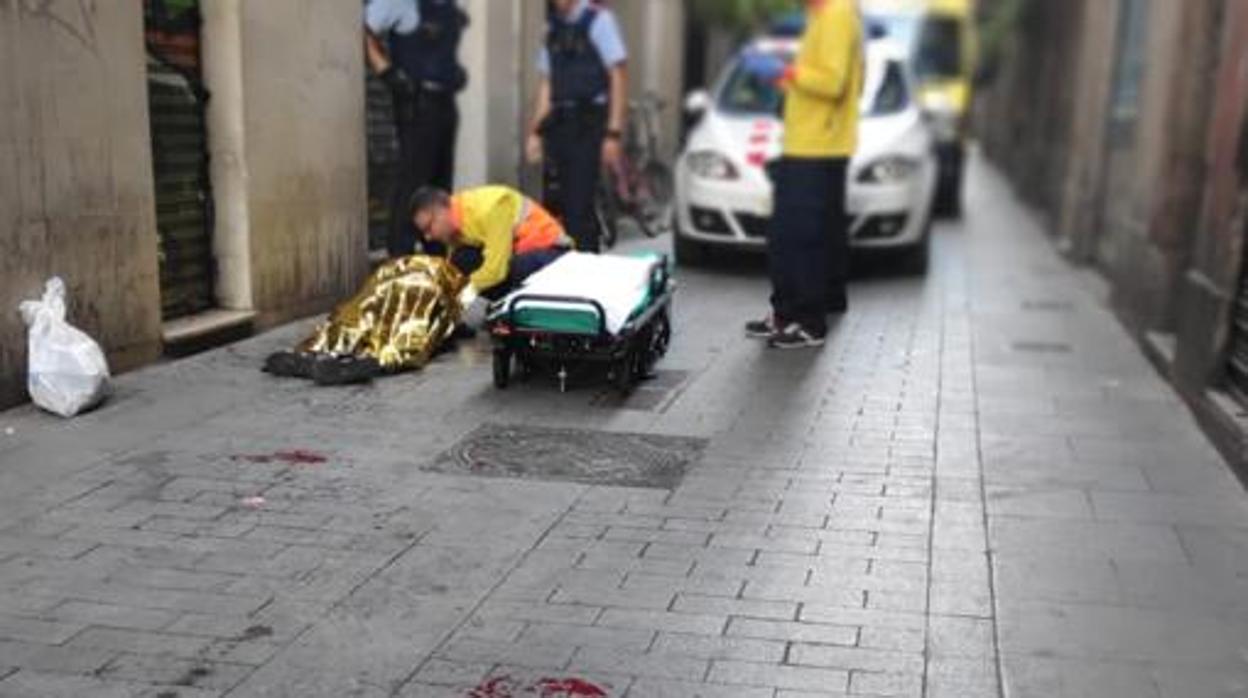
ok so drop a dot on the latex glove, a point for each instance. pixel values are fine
(533, 149)
(467, 298)
(763, 66)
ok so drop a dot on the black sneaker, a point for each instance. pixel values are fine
(794, 336)
(344, 370)
(762, 329)
(290, 364)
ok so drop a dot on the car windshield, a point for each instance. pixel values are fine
(935, 42)
(745, 94)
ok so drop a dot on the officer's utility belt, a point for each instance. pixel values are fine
(588, 108)
(587, 114)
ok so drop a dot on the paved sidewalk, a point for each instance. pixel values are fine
(980, 488)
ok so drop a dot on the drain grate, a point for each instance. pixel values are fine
(1042, 347)
(572, 455)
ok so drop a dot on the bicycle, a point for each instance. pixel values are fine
(640, 187)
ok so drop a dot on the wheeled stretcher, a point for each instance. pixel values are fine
(586, 309)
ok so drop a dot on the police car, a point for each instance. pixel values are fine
(723, 194)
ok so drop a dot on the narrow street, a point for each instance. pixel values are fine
(979, 488)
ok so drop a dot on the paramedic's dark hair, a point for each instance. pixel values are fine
(426, 198)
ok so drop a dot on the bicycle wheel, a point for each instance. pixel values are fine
(654, 211)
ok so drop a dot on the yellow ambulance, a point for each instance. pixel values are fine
(941, 36)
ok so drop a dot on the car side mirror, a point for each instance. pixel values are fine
(697, 103)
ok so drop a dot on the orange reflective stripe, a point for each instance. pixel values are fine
(538, 231)
(457, 212)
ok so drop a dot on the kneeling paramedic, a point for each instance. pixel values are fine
(582, 105)
(495, 234)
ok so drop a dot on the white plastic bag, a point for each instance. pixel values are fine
(67, 371)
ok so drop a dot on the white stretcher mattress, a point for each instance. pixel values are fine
(621, 285)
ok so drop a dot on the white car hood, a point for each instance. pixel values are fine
(751, 140)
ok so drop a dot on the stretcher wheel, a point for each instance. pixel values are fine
(502, 369)
(623, 372)
(660, 340)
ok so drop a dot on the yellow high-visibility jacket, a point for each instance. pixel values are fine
(825, 84)
(502, 222)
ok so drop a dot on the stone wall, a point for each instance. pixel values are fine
(286, 131)
(76, 194)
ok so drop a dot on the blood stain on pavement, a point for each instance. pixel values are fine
(569, 688)
(295, 457)
(506, 687)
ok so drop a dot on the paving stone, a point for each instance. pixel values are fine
(587, 636)
(663, 621)
(53, 659)
(745, 608)
(794, 631)
(769, 675)
(140, 642)
(650, 665)
(707, 647)
(111, 616)
(855, 658)
(525, 654)
(659, 688)
(45, 632)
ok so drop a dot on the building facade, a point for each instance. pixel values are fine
(199, 169)
(1122, 122)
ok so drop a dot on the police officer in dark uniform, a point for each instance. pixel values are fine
(413, 45)
(582, 104)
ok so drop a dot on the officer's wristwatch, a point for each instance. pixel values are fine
(615, 134)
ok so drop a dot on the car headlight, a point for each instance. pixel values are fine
(709, 164)
(890, 170)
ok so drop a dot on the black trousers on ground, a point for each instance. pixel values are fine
(573, 142)
(468, 260)
(808, 245)
(427, 125)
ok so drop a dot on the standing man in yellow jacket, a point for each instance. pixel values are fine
(808, 243)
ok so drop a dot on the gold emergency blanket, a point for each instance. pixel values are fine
(404, 312)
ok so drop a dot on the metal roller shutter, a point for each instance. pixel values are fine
(177, 100)
(383, 160)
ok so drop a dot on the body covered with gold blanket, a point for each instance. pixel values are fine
(404, 312)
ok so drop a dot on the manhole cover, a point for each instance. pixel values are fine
(1042, 347)
(571, 455)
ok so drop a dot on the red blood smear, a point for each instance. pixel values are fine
(296, 457)
(505, 687)
(762, 125)
(759, 139)
(500, 687)
(756, 159)
(571, 688)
